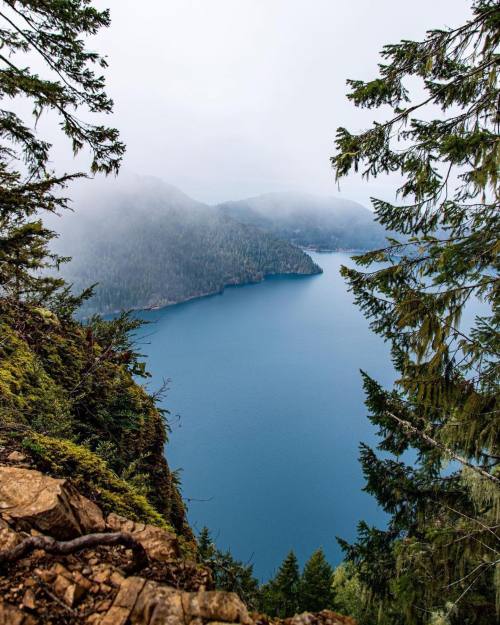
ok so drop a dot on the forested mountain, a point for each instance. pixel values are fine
(148, 244)
(322, 223)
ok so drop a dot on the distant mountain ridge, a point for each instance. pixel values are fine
(147, 244)
(310, 221)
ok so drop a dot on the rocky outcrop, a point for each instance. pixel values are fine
(31, 500)
(90, 586)
(142, 602)
(159, 544)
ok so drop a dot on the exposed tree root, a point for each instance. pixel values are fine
(63, 548)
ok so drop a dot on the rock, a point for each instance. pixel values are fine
(70, 586)
(10, 615)
(325, 617)
(88, 513)
(141, 602)
(52, 506)
(124, 602)
(74, 594)
(116, 578)
(103, 606)
(16, 456)
(159, 544)
(45, 575)
(101, 574)
(81, 580)
(158, 604)
(118, 523)
(8, 538)
(214, 605)
(29, 600)
(68, 591)
(60, 569)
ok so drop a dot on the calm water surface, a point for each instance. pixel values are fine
(266, 381)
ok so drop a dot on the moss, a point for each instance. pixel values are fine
(75, 384)
(91, 475)
(27, 391)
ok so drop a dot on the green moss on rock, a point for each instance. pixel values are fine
(92, 476)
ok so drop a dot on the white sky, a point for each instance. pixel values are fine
(231, 98)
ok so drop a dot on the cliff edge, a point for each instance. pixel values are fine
(64, 560)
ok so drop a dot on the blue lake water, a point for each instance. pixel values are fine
(266, 381)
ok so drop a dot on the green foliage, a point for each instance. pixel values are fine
(72, 388)
(316, 584)
(350, 596)
(288, 592)
(436, 560)
(68, 81)
(280, 596)
(228, 574)
(92, 476)
(69, 387)
(27, 391)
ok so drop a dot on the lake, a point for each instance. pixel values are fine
(265, 380)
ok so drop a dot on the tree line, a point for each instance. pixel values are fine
(290, 591)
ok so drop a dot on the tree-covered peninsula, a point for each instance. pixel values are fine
(147, 244)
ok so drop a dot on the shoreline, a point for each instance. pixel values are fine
(200, 296)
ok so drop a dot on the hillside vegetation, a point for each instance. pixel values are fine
(68, 392)
(321, 223)
(148, 244)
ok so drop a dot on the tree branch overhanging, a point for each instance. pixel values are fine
(449, 452)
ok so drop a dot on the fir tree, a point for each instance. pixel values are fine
(438, 556)
(206, 547)
(228, 573)
(51, 35)
(316, 584)
(280, 596)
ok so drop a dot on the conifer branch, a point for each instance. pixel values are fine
(449, 452)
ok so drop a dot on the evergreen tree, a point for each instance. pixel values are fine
(316, 584)
(439, 556)
(228, 573)
(349, 595)
(51, 35)
(206, 547)
(280, 596)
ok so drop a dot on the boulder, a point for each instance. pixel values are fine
(215, 605)
(31, 500)
(141, 602)
(159, 544)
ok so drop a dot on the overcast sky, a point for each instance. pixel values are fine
(231, 98)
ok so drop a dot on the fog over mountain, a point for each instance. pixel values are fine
(322, 223)
(148, 244)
